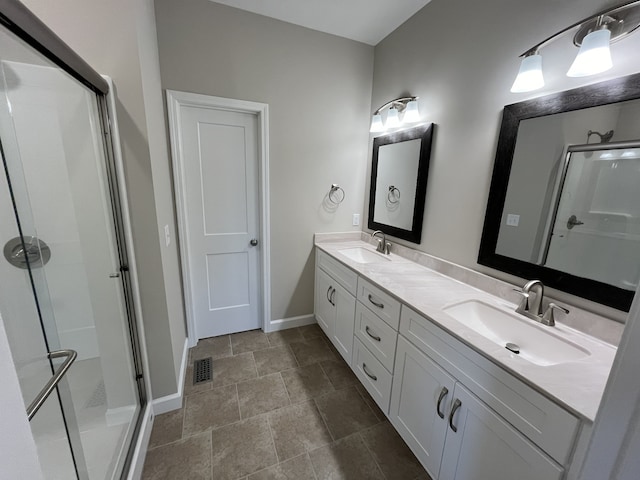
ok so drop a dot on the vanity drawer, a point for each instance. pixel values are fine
(382, 304)
(543, 421)
(375, 378)
(376, 335)
(341, 274)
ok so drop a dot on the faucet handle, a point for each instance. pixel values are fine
(548, 318)
(387, 248)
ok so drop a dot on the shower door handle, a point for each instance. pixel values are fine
(70, 355)
(573, 221)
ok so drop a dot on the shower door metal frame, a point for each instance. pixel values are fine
(26, 26)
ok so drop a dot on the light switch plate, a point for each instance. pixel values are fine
(167, 237)
(513, 220)
(356, 219)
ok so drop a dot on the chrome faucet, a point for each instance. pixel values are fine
(533, 309)
(383, 245)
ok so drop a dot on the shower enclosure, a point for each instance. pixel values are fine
(65, 289)
(595, 214)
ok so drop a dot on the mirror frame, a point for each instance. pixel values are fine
(603, 93)
(425, 133)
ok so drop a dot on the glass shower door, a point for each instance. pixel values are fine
(598, 215)
(60, 274)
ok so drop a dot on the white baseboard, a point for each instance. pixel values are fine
(291, 322)
(172, 402)
(140, 452)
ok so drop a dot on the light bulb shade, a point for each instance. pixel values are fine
(530, 75)
(594, 55)
(411, 114)
(393, 120)
(376, 124)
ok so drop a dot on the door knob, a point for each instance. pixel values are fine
(254, 242)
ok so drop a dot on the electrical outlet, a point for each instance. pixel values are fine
(167, 236)
(356, 219)
(513, 220)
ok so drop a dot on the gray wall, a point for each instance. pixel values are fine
(318, 88)
(110, 37)
(461, 58)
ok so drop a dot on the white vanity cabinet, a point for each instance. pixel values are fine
(376, 331)
(422, 393)
(466, 418)
(484, 445)
(462, 415)
(335, 302)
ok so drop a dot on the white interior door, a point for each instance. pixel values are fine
(219, 190)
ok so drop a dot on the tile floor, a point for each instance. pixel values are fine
(280, 406)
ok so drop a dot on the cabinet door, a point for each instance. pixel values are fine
(345, 314)
(420, 387)
(324, 309)
(486, 446)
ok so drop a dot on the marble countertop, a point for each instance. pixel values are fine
(577, 385)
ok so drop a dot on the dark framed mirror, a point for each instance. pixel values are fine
(399, 171)
(564, 202)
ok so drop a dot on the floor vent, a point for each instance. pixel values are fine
(202, 371)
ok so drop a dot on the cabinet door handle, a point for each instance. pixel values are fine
(372, 377)
(333, 296)
(329, 295)
(375, 337)
(379, 305)
(443, 393)
(456, 405)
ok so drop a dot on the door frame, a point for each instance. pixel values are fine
(176, 100)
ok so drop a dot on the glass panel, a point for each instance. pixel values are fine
(54, 158)
(29, 351)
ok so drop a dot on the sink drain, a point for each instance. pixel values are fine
(512, 347)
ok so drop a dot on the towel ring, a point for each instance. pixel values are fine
(336, 194)
(394, 194)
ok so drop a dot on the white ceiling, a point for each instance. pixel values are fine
(367, 21)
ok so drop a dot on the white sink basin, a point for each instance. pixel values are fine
(363, 255)
(538, 344)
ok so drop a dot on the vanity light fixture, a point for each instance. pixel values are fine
(594, 36)
(407, 106)
(530, 75)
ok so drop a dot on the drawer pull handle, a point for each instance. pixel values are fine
(329, 295)
(379, 305)
(333, 297)
(443, 393)
(375, 337)
(372, 377)
(456, 405)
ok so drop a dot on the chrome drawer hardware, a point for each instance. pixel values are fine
(443, 393)
(364, 369)
(379, 305)
(456, 405)
(375, 337)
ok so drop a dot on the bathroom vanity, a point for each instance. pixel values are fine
(430, 350)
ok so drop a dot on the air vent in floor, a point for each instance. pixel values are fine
(202, 371)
